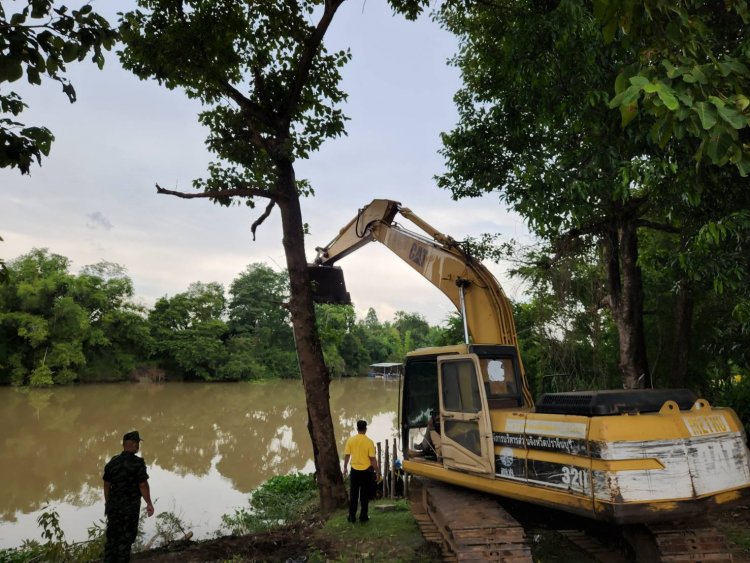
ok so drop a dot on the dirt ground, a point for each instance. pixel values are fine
(290, 543)
(296, 542)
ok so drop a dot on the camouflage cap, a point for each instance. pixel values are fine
(132, 436)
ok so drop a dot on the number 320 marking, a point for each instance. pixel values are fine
(575, 478)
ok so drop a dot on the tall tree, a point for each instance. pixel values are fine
(56, 327)
(536, 126)
(261, 342)
(39, 40)
(271, 92)
(189, 331)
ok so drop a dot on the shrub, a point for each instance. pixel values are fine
(278, 501)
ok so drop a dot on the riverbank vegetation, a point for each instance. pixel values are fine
(59, 327)
(282, 517)
(285, 525)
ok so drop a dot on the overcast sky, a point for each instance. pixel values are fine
(94, 199)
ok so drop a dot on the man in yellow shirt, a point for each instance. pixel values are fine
(361, 451)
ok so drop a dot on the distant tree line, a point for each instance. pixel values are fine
(58, 327)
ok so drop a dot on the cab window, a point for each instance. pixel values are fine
(499, 377)
(460, 387)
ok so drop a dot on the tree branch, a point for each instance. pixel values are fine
(263, 217)
(657, 226)
(231, 192)
(308, 55)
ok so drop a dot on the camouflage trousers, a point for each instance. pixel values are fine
(122, 529)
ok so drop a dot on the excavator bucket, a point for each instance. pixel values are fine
(328, 285)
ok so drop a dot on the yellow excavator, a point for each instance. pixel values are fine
(622, 456)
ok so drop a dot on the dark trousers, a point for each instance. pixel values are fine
(361, 489)
(122, 529)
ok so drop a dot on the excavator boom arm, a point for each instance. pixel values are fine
(438, 258)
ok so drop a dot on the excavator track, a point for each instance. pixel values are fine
(470, 526)
(467, 525)
(684, 541)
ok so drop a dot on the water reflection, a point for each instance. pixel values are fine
(223, 439)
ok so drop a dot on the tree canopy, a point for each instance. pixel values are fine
(537, 126)
(272, 96)
(39, 40)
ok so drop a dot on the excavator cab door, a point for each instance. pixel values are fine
(465, 428)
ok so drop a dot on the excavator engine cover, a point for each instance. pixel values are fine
(612, 402)
(328, 285)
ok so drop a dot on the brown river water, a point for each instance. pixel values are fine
(206, 446)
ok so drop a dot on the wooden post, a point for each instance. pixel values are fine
(379, 456)
(393, 471)
(384, 469)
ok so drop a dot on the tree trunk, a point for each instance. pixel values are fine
(626, 303)
(314, 373)
(683, 332)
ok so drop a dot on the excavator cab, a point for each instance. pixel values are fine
(463, 384)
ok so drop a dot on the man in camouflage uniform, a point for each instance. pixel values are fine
(125, 482)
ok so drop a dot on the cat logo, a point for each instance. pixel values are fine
(417, 254)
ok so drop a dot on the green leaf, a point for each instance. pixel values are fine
(736, 66)
(672, 71)
(743, 166)
(609, 30)
(717, 148)
(685, 98)
(733, 117)
(741, 101)
(70, 52)
(718, 102)
(707, 114)
(620, 83)
(699, 76)
(628, 113)
(10, 69)
(639, 80)
(666, 95)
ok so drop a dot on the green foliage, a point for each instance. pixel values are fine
(41, 377)
(53, 323)
(278, 501)
(567, 341)
(536, 127)
(55, 549)
(262, 343)
(59, 328)
(684, 74)
(39, 40)
(732, 391)
(170, 528)
(189, 330)
(248, 65)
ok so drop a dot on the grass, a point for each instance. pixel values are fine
(738, 534)
(388, 536)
